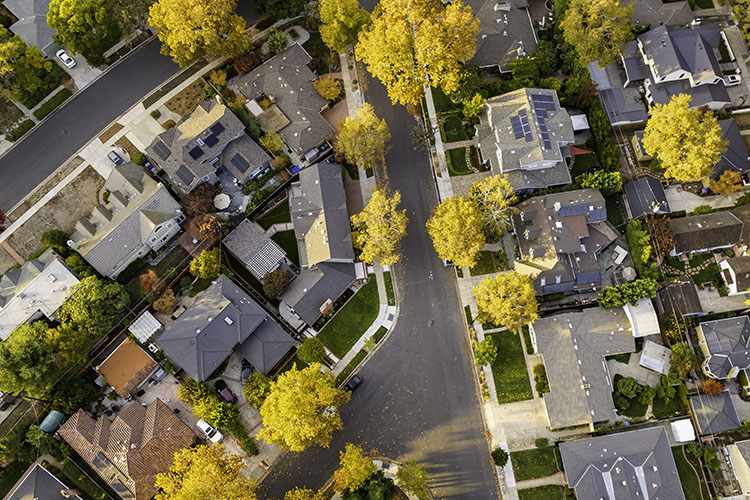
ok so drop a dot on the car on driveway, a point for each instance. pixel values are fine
(732, 80)
(116, 159)
(221, 388)
(245, 371)
(353, 383)
(211, 433)
(68, 61)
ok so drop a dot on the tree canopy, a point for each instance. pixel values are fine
(412, 478)
(302, 409)
(328, 88)
(88, 27)
(411, 43)
(617, 296)
(312, 350)
(207, 265)
(456, 230)
(341, 22)
(507, 300)
(191, 29)
(355, 468)
(364, 138)
(27, 360)
(379, 227)
(687, 141)
(279, 9)
(94, 306)
(495, 197)
(729, 183)
(598, 29)
(24, 71)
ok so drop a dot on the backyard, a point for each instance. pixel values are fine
(509, 369)
(662, 409)
(288, 242)
(175, 259)
(691, 484)
(348, 325)
(277, 215)
(536, 463)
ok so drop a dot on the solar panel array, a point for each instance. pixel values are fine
(211, 140)
(715, 345)
(521, 127)
(217, 128)
(543, 106)
(162, 150)
(196, 152)
(239, 162)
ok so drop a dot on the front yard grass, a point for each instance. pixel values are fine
(389, 288)
(356, 360)
(10, 474)
(509, 369)
(452, 129)
(532, 464)
(277, 215)
(549, 492)
(288, 242)
(348, 325)
(457, 162)
(443, 103)
(614, 212)
(489, 262)
(691, 484)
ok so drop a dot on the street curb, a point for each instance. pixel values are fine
(72, 98)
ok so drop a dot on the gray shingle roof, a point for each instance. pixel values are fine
(573, 346)
(654, 12)
(506, 33)
(687, 49)
(735, 157)
(39, 484)
(705, 231)
(646, 196)
(741, 267)
(531, 131)
(222, 318)
(313, 288)
(701, 95)
(633, 465)
(728, 343)
(32, 25)
(289, 81)
(242, 156)
(714, 414)
(254, 248)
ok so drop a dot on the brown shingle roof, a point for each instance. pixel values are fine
(127, 367)
(139, 443)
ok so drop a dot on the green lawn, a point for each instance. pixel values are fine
(635, 409)
(288, 242)
(452, 129)
(10, 474)
(277, 215)
(705, 4)
(582, 163)
(348, 325)
(509, 369)
(443, 103)
(294, 360)
(378, 335)
(489, 262)
(614, 212)
(356, 360)
(457, 162)
(317, 49)
(691, 485)
(545, 493)
(389, 288)
(707, 274)
(531, 464)
(667, 410)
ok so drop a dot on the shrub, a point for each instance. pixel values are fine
(155, 114)
(499, 457)
(248, 120)
(541, 442)
(57, 240)
(256, 389)
(20, 130)
(628, 387)
(275, 282)
(540, 378)
(312, 351)
(168, 124)
(702, 209)
(138, 158)
(277, 41)
(712, 387)
(485, 352)
(52, 103)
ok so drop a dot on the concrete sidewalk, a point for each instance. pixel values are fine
(440, 164)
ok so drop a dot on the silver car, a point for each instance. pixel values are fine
(63, 55)
(212, 434)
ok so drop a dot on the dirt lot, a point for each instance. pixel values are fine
(188, 99)
(9, 114)
(74, 201)
(45, 188)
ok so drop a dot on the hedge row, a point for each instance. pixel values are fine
(18, 132)
(52, 103)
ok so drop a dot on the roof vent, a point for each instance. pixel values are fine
(52, 278)
(228, 320)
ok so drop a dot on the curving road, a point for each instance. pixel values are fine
(418, 399)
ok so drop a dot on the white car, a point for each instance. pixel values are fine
(732, 80)
(65, 58)
(212, 434)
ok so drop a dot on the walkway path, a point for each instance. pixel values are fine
(458, 144)
(12, 252)
(278, 228)
(553, 480)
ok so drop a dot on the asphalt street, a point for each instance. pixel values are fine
(418, 399)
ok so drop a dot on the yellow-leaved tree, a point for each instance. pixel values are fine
(456, 230)
(191, 29)
(328, 88)
(341, 22)
(598, 29)
(355, 468)
(301, 409)
(687, 141)
(729, 182)
(741, 11)
(495, 197)
(411, 43)
(379, 227)
(364, 138)
(507, 300)
(205, 472)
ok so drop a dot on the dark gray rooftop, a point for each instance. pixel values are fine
(505, 32)
(679, 296)
(633, 465)
(701, 95)
(32, 25)
(254, 248)
(689, 49)
(242, 156)
(728, 343)
(714, 414)
(646, 196)
(313, 288)
(735, 157)
(705, 231)
(39, 484)
(655, 12)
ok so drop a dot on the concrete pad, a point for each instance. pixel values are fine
(143, 131)
(82, 73)
(712, 302)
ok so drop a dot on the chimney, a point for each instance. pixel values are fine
(69, 493)
(118, 200)
(86, 228)
(101, 214)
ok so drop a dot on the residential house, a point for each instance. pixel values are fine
(32, 26)
(645, 196)
(739, 456)
(250, 244)
(623, 105)
(128, 368)
(640, 151)
(224, 319)
(560, 237)
(655, 357)
(713, 414)
(506, 32)
(321, 225)
(680, 297)
(38, 483)
(139, 217)
(654, 13)
(735, 157)
(129, 451)
(573, 347)
(705, 232)
(281, 95)
(203, 143)
(36, 289)
(632, 465)
(642, 317)
(725, 344)
(526, 134)
(736, 274)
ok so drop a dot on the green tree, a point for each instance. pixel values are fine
(275, 282)
(191, 29)
(24, 71)
(499, 457)
(79, 266)
(485, 352)
(302, 409)
(687, 141)
(664, 390)
(547, 57)
(272, 142)
(328, 88)
(606, 182)
(341, 22)
(379, 227)
(191, 392)
(741, 9)
(75, 393)
(628, 387)
(279, 9)
(507, 300)
(27, 360)
(598, 29)
(277, 41)
(131, 15)
(71, 346)
(256, 389)
(617, 296)
(56, 240)
(411, 43)
(525, 71)
(682, 361)
(312, 351)
(207, 265)
(40, 440)
(412, 478)
(87, 27)
(364, 138)
(646, 394)
(456, 230)
(94, 307)
(355, 468)
(473, 108)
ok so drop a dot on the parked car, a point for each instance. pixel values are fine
(221, 388)
(353, 383)
(116, 159)
(246, 370)
(68, 61)
(732, 80)
(211, 433)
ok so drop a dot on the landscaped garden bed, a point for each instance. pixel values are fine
(489, 262)
(691, 484)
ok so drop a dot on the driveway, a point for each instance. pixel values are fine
(82, 73)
